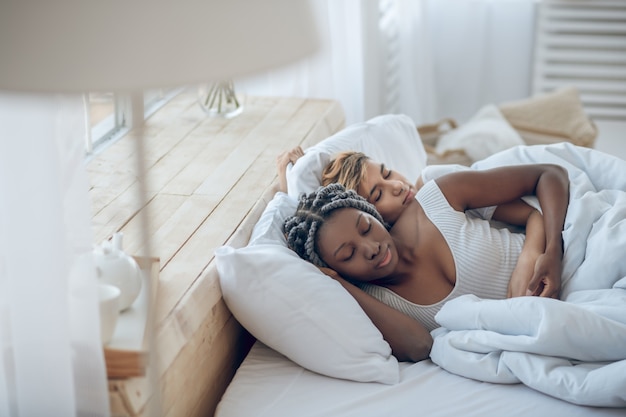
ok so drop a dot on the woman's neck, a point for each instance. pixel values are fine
(406, 234)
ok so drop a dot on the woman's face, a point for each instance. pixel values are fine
(389, 191)
(357, 246)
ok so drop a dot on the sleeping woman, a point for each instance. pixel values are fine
(433, 252)
(389, 191)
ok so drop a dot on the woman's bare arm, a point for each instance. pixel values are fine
(408, 338)
(534, 247)
(550, 183)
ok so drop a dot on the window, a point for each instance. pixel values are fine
(109, 118)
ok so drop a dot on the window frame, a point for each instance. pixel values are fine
(119, 122)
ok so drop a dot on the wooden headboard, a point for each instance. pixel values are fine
(209, 180)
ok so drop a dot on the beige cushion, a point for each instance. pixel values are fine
(556, 116)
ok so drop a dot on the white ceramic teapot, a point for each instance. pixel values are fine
(116, 267)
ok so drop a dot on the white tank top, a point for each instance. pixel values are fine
(484, 257)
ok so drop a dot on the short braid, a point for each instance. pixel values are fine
(313, 211)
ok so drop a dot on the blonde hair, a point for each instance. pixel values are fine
(347, 169)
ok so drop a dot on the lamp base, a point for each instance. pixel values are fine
(219, 99)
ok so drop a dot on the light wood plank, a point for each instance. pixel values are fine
(163, 211)
(209, 180)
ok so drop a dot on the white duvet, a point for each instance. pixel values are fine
(574, 349)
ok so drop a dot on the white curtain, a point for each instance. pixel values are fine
(51, 360)
(481, 52)
(336, 71)
(425, 58)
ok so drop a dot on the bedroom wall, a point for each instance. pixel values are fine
(611, 137)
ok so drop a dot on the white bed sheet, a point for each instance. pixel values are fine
(269, 385)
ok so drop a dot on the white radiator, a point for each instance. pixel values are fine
(583, 43)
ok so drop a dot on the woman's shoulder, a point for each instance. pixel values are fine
(430, 197)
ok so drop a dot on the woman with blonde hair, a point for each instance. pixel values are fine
(401, 275)
(390, 192)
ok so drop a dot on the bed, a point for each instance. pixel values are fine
(317, 354)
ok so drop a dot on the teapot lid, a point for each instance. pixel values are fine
(117, 240)
(113, 246)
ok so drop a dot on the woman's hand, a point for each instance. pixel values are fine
(546, 281)
(534, 247)
(522, 274)
(332, 273)
(536, 275)
(284, 159)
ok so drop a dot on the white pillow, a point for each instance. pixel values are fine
(286, 302)
(269, 227)
(391, 139)
(289, 305)
(486, 133)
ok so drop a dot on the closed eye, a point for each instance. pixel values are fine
(347, 258)
(384, 172)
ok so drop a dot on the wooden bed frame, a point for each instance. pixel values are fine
(209, 180)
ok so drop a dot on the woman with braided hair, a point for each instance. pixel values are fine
(433, 252)
(313, 211)
(389, 191)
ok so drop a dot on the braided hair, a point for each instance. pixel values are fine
(313, 210)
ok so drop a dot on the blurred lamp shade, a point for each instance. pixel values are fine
(72, 46)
